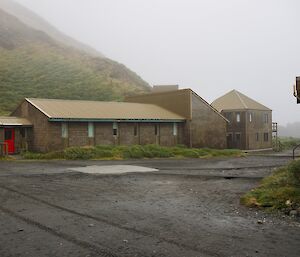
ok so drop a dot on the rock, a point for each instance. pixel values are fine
(91, 225)
(125, 241)
(260, 222)
(20, 229)
(293, 213)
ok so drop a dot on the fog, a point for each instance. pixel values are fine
(208, 45)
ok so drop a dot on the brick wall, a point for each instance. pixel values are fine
(47, 136)
(104, 134)
(78, 134)
(39, 133)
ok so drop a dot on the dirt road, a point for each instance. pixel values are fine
(185, 208)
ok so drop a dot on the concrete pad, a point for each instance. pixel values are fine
(112, 169)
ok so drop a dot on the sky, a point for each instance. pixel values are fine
(211, 46)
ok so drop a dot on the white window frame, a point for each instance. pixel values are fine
(115, 126)
(91, 130)
(64, 130)
(175, 129)
(238, 117)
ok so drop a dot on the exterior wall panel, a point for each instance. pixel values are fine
(208, 128)
(104, 134)
(78, 134)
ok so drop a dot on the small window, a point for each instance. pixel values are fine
(229, 137)
(156, 129)
(23, 132)
(115, 128)
(266, 137)
(228, 116)
(175, 129)
(266, 118)
(257, 136)
(238, 137)
(250, 117)
(8, 134)
(135, 129)
(238, 117)
(64, 130)
(91, 132)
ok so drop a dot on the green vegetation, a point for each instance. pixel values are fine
(286, 143)
(135, 152)
(34, 65)
(279, 191)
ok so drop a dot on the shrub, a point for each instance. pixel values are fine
(190, 153)
(294, 169)
(135, 151)
(77, 153)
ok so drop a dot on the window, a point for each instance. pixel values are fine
(250, 117)
(8, 134)
(156, 129)
(266, 137)
(229, 137)
(64, 130)
(115, 128)
(135, 129)
(23, 132)
(228, 116)
(175, 129)
(266, 118)
(238, 117)
(257, 136)
(91, 132)
(237, 137)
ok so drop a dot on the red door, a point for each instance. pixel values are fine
(9, 138)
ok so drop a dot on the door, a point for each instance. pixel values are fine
(9, 139)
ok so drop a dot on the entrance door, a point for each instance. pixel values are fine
(9, 138)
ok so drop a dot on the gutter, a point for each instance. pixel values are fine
(112, 120)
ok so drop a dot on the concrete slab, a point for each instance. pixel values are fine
(112, 169)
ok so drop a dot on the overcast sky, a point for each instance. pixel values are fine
(211, 46)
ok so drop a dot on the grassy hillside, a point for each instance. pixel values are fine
(36, 22)
(34, 65)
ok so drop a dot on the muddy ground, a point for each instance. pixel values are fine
(186, 208)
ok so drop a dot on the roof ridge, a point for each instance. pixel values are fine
(242, 101)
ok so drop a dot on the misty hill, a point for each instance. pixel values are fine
(290, 130)
(33, 64)
(36, 22)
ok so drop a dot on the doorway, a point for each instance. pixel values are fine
(9, 139)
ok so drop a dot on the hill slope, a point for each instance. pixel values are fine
(32, 64)
(36, 22)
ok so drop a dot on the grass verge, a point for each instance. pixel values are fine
(280, 191)
(134, 152)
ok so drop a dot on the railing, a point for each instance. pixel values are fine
(294, 149)
(4, 149)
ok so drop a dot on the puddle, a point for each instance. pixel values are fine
(113, 169)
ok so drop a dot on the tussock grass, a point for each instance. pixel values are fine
(279, 191)
(132, 152)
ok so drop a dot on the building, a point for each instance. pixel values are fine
(250, 123)
(204, 126)
(297, 90)
(182, 117)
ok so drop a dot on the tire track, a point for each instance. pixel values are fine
(86, 245)
(83, 215)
